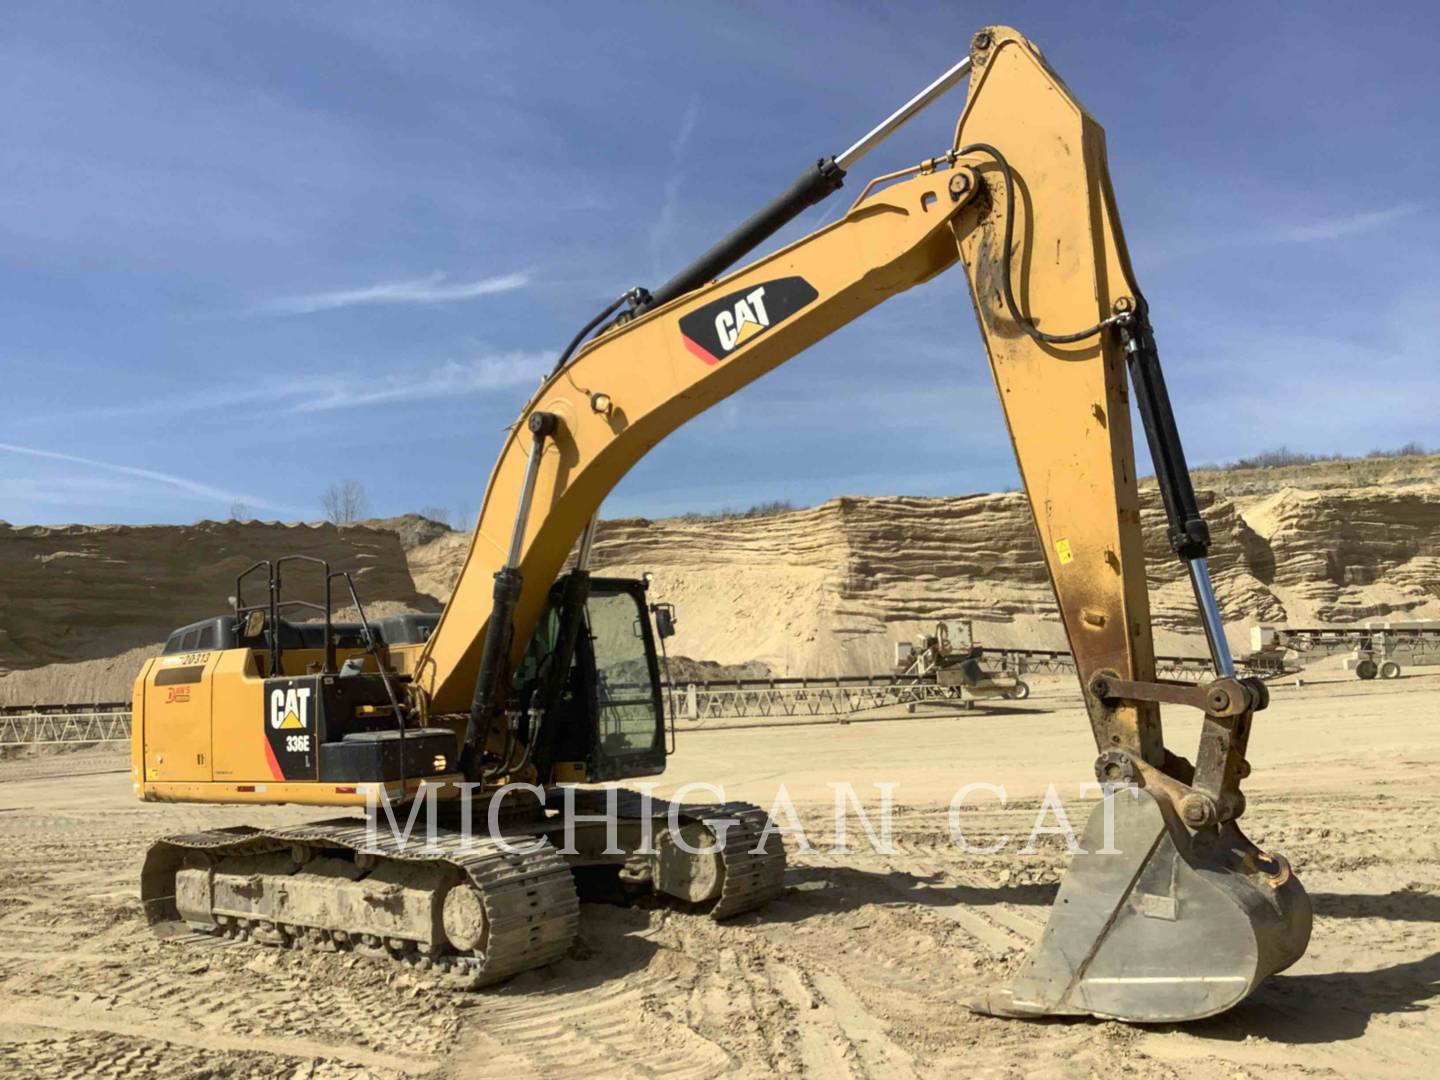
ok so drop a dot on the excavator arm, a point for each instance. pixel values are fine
(1187, 916)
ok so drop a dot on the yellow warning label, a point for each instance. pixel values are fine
(1062, 548)
(291, 721)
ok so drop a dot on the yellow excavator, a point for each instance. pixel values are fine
(540, 674)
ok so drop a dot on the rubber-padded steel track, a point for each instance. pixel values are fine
(531, 909)
(754, 874)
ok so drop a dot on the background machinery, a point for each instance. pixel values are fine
(546, 675)
(956, 663)
(1378, 648)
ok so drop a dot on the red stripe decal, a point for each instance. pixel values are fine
(700, 352)
(275, 772)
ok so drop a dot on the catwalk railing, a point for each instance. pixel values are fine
(46, 725)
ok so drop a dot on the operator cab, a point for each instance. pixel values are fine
(606, 720)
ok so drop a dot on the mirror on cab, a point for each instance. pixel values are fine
(254, 623)
(664, 619)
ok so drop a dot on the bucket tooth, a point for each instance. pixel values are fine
(1160, 925)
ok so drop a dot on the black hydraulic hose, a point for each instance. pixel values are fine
(813, 186)
(634, 296)
(1006, 255)
(1189, 535)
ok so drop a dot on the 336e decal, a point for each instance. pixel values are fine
(292, 723)
(716, 330)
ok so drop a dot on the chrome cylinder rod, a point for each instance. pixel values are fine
(1210, 616)
(892, 123)
(541, 426)
(814, 185)
(587, 540)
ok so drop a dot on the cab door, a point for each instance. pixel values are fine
(177, 717)
(624, 682)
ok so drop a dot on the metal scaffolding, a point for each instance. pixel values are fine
(48, 725)
(773, 698)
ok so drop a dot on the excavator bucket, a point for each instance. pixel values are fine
(1155, 923)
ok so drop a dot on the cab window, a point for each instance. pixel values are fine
(625, 684)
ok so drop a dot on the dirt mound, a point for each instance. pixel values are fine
(1389, 472)
(81, 682)
(683, 669)
(87, 594)
(831, 589)
(434, 566)
(413, 530)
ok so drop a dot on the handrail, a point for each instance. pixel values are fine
(373, 650)
(328, 667)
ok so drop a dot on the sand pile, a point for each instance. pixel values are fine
(1242, 485)
(80, 604)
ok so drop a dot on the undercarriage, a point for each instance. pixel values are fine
(478, 907)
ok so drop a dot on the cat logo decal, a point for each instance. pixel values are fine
(716, 330)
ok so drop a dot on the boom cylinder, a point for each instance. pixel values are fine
(811, 187)
(508, 585)
(814, 185)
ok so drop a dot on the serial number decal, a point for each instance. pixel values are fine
(184, 659)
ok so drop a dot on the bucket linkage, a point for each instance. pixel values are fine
(1169, 912)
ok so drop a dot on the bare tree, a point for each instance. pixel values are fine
(344, 502)
(438, 513)
(239, 511)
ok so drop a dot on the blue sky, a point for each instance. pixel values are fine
(249, 249)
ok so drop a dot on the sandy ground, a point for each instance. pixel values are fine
(861, 969)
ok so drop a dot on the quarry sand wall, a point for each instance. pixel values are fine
(823, 590)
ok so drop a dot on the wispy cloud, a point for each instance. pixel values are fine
(494, 372)
(431, 289)
(1345, 225)
(207, 399)
(1158, 248)
(664, 227)
(315, 393)
(190, 487)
